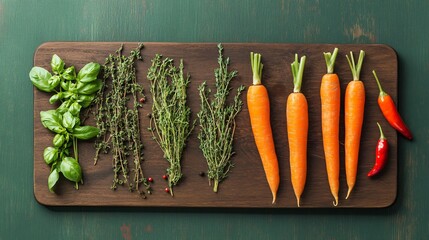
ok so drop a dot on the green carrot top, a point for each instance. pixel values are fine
(356, 68)
(330, 60)
(255, 61)
(297, 72)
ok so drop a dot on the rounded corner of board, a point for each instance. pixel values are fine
(39, 199)
(389, 203)
(38, 49)
(389, 49)
(42, 45)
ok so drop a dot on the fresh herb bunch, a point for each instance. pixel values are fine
(217, 122)
(117, 116)
(170, 118)
(74, 92)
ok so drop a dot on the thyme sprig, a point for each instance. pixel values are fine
(217, 122)
(170, 119)
(119, 121)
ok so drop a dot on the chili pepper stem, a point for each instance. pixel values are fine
(381, 132)
(382, 92)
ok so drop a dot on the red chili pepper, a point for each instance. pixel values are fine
(381, 153)
(388, 108)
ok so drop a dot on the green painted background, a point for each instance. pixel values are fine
(25, 24)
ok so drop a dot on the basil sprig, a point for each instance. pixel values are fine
(73, 92)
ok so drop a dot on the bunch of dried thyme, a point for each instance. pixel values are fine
(217, 122)
(170, 118)
(118, 119)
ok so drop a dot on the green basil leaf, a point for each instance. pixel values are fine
(54, 81)
(69, 73)
(50, 154)
(56, 97)
(74, 109)
(40, 79)
(64, 107)
(68, 94)
(85, 132)
(57, 64)
(89, 88)
(71, 169)
(65, 85)
(56, 165)
(69, 121)
(52, 121)
(58, 140)
(67, 151)
(85, 100)
(89, 72)
(53, 179)
(72, 88)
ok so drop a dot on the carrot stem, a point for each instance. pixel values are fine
(330, 60)
(257, 66)
(297, 72)
(356, 68)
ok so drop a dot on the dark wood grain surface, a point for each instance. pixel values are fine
(246, 186)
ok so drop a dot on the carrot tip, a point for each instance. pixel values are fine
(335, 202)
(297, 201)
(274, 199)
(348, 192)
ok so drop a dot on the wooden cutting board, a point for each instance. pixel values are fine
(246, 186)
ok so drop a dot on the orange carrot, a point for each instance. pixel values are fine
(258, 104)
(354, 113)
(330, 102)
(297, 130)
